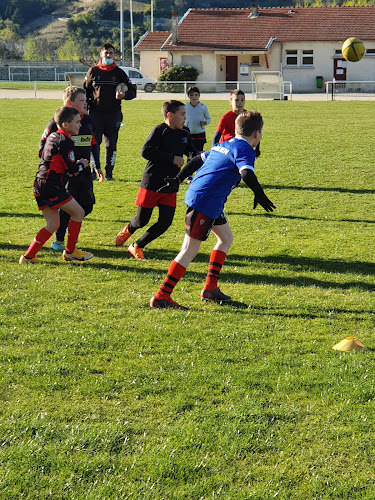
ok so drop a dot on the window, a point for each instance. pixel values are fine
(255, 61)
(291, 58)
(299, 57)
(307, 57)
(135, 74)
(370, 52)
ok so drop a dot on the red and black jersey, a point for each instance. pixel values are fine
(82, 142)
(161, 146)
(100, 86)
(57, 157)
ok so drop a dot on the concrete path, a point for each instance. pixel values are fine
(144, 96)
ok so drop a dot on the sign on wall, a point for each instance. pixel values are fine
(244, 69)
(163, 63)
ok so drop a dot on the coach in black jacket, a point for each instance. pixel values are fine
(104, 95)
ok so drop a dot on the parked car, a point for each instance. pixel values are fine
(141, 81)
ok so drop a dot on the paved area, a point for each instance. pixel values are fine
(154, 96)
(145, 96)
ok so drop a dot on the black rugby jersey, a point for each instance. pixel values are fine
(161, 146)
(82, 142)
(101, 86)
(57, 158)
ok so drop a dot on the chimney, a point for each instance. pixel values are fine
(174, 28)
(254, 10)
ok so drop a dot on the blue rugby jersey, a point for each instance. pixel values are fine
(219, 174)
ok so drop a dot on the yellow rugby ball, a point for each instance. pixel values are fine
(353, 49)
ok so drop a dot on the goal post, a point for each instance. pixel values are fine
(268, 85)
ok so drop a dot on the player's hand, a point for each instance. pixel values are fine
(172, 185)
(99, 175)
(84, 162)
(178, 161)
(264, 202)
(120, 95)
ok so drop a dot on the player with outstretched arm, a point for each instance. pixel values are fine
(223, 168)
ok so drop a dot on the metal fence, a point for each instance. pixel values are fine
(349, 89)
(174, 89)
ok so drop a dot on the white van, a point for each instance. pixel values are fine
(141, 81)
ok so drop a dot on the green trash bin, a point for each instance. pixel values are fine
(319, 82)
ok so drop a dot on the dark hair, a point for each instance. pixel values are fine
(237, 92)
(171, 106)
(64, 115)
(107, 46)
(248, 122)
(193, 89)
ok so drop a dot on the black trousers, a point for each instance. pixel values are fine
(107, 124)
(166, 214)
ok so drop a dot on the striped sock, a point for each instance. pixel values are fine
(174, 274)
(37, 243)
(74, 228)
(215, 264)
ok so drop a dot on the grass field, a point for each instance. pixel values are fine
(104, 398)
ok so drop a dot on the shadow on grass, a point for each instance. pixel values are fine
(282, 312)
(301, 263)
(298, 264)
(22, 216)
(314, 188)
(294, 217)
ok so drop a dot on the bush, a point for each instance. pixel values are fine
(176, 74)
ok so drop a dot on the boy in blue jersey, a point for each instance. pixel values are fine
(223, 168)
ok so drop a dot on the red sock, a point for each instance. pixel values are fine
(37, 243)
(215, 264)
(174, 274)
(74, 228)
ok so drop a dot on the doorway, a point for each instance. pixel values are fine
(339, 69)
(231, 71)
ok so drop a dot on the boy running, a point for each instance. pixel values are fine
(49, 189)
(224, 167)
(164, 150)
(79, 186)
(226, 127)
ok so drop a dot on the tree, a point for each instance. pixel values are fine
(31, 51)
(68, 51)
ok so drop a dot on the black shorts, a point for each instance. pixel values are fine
(81, 188)
(50, 194)
(198, 140)
(198, 226)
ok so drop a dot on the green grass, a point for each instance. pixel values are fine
(104, 398)
(32, 85)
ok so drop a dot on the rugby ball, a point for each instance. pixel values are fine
(353, 49)
(121, 87)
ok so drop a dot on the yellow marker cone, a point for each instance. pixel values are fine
(349, 344)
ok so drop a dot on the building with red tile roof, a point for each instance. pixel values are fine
(228, 44)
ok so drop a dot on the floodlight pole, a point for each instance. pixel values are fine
(122, 31)
(152, 15)
(131, 31)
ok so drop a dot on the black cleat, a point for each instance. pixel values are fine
(214, 295)
(166, 304)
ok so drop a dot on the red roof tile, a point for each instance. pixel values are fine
(233, 29)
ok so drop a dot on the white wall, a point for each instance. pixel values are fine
(150, 62)
(303, 78)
